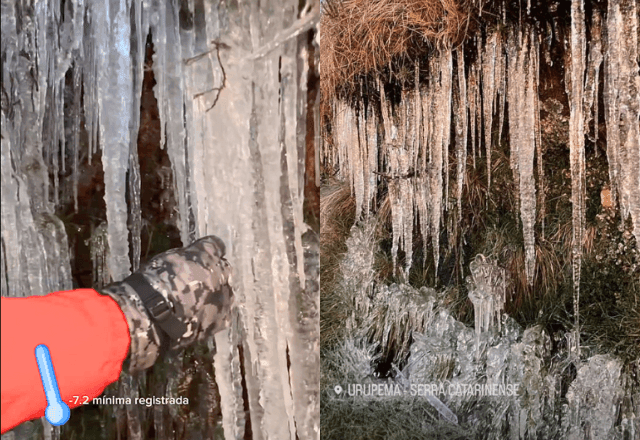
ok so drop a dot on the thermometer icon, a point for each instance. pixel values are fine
(57, 412)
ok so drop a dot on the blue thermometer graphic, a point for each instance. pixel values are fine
(57, 412)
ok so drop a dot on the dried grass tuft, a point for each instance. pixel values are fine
(362, 36)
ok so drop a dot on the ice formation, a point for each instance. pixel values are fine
(443, 350)
(231, 84)
(412, 157)
(622, 107)
(600, 376)
(576, 141)
(487, 292)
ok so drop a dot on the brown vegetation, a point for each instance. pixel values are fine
(363, 36)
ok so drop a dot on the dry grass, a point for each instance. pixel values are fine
(363, 36)
(337, 214)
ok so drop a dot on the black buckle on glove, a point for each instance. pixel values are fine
(159, 311)
(157, 306)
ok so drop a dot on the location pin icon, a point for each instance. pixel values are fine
(57, 412)
(337, 389)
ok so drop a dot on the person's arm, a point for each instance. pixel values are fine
(179, 297)
(87, 336)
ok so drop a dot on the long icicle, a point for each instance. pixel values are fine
(460, 114)
(576, 140)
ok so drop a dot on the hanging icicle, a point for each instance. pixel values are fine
(576, 141)
(460, 118)
(522, 76)
(488, 78)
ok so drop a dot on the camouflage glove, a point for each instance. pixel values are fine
(178, 297)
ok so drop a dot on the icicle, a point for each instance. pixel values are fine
(622, 109)
(538, 134)
(472, 99)
(356, 160)
(140, 32)
(576, 140)
(488, 97)
(417, 123)
(445, 123)
(501, 83)
(593, 77)
(523, 55)
(364, 153)
(77, 90)
(348, 128)
(371, 128)
(396, 219)
(442, 67)
(228, 376)
(55, 250)
(460, 116)
(115, 102)
(174, 116)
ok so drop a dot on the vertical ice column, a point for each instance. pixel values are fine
(488, 95)
(522, 97)
(139, 31)
(576, 140)
(460, 118)
(115, 112)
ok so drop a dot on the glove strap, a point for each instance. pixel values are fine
(158, 307)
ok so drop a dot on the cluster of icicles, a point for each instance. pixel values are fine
(411, 150)
(236, 166)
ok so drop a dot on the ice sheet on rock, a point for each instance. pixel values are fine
(622, 107)
(527, 369)
(594, 399)
(250, 169)
(250, 135)
(53, 239)
(228, 377)
(98, 245)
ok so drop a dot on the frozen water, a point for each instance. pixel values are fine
(622, 107)
(487, 292)
(593, 399)
(577, 159)
(231, 88)
(99, 247)
(522, 75)
(461, 122)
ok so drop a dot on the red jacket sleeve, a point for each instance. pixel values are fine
(87, 336)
